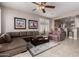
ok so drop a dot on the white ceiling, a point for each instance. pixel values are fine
(61, 8)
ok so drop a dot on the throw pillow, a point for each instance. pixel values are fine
(8, 38)
(2, 40)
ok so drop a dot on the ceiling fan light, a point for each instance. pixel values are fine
(41, 7)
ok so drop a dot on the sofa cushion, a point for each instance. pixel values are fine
(36, 33)
(23, 34)
(16, 43)
(29, 33)
(15, 34)
(13, 52)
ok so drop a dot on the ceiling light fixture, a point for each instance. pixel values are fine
(41, 7)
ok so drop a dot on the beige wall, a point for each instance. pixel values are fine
(67, 14)
(8, 19)
(76, 22)
(53, 26)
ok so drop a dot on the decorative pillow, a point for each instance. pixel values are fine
(7, 38)
(2, 40)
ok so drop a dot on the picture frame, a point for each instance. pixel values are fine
(19, 23)
(33, 24)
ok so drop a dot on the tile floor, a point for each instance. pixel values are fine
(67, 48)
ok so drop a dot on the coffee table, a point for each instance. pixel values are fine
(39, 40)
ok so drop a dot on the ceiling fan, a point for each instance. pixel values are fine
(42, 6)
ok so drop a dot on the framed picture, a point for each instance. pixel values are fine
(19, 23)
(33, 24)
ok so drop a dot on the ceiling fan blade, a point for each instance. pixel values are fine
(35, 3)
(42, 3)
(43, 10)
(50, 6)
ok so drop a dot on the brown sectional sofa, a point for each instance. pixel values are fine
(13, 43)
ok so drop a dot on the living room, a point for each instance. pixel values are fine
(26, 26)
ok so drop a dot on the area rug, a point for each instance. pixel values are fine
(35, 50)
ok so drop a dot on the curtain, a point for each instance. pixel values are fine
(44, 25)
